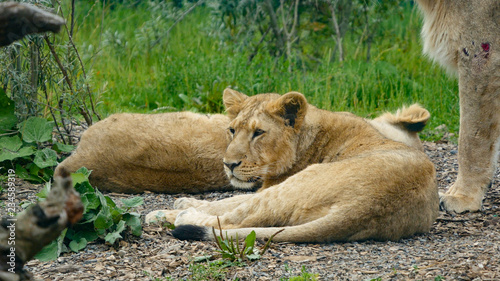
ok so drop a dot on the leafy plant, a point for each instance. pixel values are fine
(304, 275)
(211, 270)
(230, 248)
(102, 219)
(30, 150)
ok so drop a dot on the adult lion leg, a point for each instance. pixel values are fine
(479, 140)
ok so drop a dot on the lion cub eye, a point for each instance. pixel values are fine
(231, 130)
(257, 133)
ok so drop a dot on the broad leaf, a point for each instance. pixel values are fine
(7, 117)
(80, 178)
(45, 158)
(76, 246)
(133, 202)
(134, 222)
(53, 250)
(250, 242)
(36, 129)
(22, 173)
(59, 147)
(11, 148)
(113, 236)
(45, 191)
(103, 219)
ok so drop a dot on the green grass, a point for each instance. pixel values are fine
(189, 69)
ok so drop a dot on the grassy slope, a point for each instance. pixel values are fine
(189, 70)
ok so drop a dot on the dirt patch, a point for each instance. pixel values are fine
(459, 247)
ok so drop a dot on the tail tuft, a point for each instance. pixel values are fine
(412, 118)
(190, 232)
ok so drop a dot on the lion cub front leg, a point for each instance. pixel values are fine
(215, 208)
(158, 216)
(186, 202)
(479, 138)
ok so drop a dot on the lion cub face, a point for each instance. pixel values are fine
(262, 136)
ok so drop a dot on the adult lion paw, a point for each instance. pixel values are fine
(184, 203)
(158, 216)
(459, 203)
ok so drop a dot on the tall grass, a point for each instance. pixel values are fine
(189, 69)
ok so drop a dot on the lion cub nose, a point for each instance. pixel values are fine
(232, 165)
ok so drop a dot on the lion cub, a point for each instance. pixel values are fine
(326, 177)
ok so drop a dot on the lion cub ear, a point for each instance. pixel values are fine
(292, 107)
(232, 101)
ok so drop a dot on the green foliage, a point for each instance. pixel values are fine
(304, 275)
(211, 270)
(102, 218)
(7, 116)
(29, 150)
(230, 248)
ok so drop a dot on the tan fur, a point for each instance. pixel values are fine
(464, 37)
(182, 151)
(137, 152)
(326, 177)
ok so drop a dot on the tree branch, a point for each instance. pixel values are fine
(18, 20)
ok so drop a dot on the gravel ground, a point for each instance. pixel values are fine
(459, 247)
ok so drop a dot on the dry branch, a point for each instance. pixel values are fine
(18, 20)
(23, 236)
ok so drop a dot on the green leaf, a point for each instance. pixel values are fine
(134, 222)
(79, 178)
(76, 246)
(89, 235)
(11, 148)
(133, 202)
(11, 143)
(253, 256)
(84, 171)
(45, 191)
(202, 258)
(115, 235)
(22, 173)
(48, 253)
(52, 250)
(7, 113)
(104, 220)
(45, 158)
(36, 129)
(59, 147)
(250, 242)
(92, 202)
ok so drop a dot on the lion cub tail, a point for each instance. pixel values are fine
(404, 125)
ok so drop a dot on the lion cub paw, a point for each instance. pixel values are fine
(459, 203)
(184, 203)
(158, 216)
(189, 216)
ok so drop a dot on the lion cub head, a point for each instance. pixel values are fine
(263, 135)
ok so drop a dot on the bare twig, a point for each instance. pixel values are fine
(66, 78)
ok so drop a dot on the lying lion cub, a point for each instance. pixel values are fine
(330, 177)
(183, 151)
